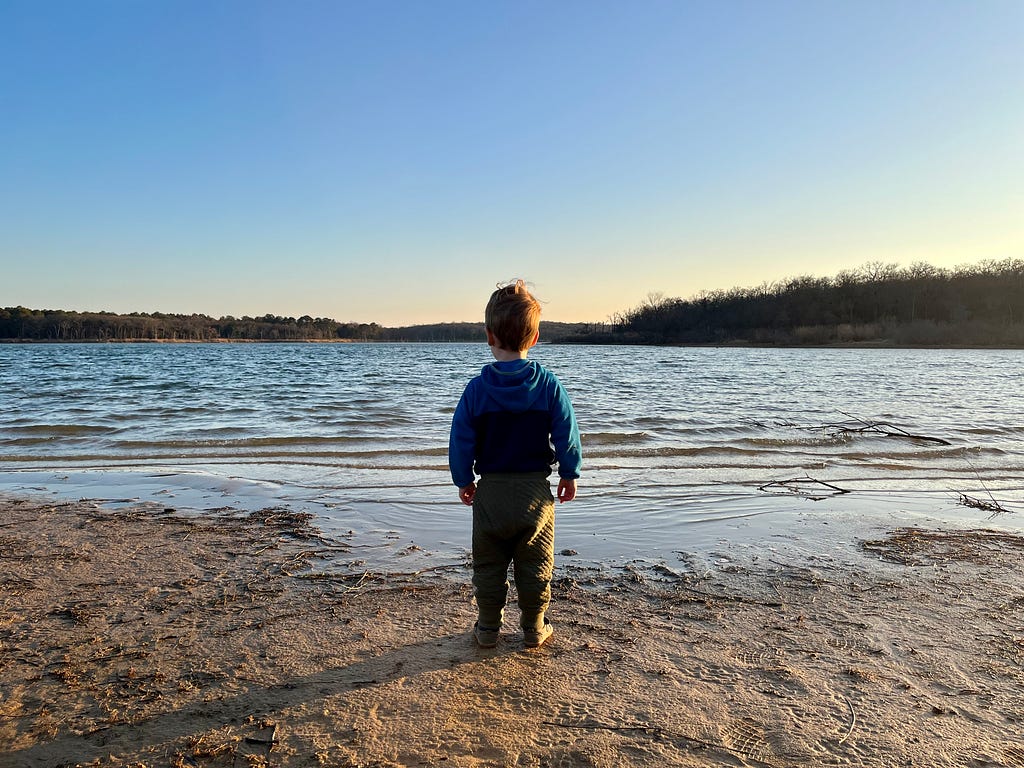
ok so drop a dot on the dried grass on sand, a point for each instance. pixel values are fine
(140, 638)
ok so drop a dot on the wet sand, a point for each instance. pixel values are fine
(143, 637)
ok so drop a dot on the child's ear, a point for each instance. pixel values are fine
(492, 340)
(536, 338)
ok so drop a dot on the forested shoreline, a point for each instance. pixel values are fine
(878, 304)
(49, 325)
(882, 304)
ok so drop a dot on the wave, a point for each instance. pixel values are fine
(195, 452)
(719, 416)
(804, 442)
(63, 430)
(614, 438)
(241, 442)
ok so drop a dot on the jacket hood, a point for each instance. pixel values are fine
(514, 385)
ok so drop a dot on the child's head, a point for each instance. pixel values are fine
(513, 317)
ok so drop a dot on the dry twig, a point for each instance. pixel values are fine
(988, 506)
(853, 720)
(993, 506)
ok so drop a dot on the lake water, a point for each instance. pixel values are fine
(698, 451)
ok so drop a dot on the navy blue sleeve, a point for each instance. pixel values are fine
(462, 443)
(565, 435)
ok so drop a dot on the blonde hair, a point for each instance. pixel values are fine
(513, 316)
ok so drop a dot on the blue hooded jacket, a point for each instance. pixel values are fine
(514, 417)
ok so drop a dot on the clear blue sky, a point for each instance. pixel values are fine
(391, 161)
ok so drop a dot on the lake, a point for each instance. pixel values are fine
(688, 452)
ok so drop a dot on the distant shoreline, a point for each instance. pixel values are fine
(190, 341)
(879, 306)
(738, 344)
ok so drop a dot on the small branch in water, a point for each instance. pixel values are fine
(881, 428)
(793, 485)
(992, 506)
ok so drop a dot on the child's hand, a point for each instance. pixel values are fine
(466, 494)
(566, 490)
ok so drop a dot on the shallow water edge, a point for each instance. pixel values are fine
(694, 533)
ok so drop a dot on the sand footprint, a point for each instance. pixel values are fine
(746, 737)
(766, 658)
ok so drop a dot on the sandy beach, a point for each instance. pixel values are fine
(146, 637)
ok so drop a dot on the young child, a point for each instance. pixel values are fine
(513, 423)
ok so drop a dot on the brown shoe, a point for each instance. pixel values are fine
(533, 638)
(485, 638)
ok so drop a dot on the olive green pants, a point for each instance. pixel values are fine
(513, 522)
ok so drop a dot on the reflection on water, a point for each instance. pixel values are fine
(677, 441)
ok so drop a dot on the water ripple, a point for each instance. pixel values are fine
(723, 415)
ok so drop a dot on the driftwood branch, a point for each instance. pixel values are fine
(879, 428)
(794, 485)
(992, 506)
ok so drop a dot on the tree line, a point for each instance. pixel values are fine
(63, 325)
(920, 305)
(21, 323)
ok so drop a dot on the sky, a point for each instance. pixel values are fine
(392, 161)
